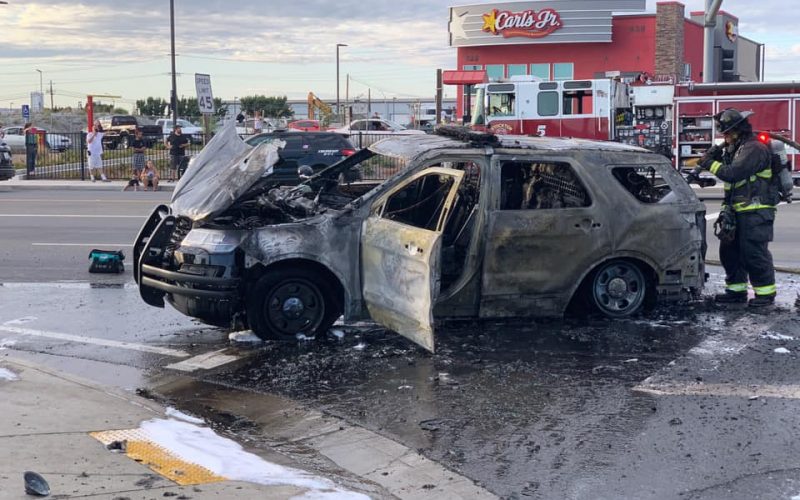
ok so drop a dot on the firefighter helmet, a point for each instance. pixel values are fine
(730, 119)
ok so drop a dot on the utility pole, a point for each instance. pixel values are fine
(338, 109)
(51, 96)
(438, 120)
(174, 102)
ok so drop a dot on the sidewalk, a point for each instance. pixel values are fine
(19, 184)
(46, 426)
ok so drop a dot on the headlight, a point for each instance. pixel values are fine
(211, 241)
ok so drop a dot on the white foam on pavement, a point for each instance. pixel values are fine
(226, 458)
(6, 374)
(781, 350)
(21, 321)
(179, 415)
(244, 336)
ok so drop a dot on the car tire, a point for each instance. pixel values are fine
(618, 288)
(286, 303)
(125, 142)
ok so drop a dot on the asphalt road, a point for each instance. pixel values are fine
(784, 247)
(691, 402)
(47, 234)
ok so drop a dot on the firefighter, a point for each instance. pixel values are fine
(745, 224)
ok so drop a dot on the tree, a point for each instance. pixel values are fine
(273, 107)
(152, 106)
(187, 107)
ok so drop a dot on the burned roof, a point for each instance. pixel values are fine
(409, 146)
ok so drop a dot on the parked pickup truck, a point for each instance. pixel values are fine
(119, 130)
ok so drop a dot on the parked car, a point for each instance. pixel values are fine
(475, 226)
(188, 128)
(313, 149)
(57, 142)
(119, 130)
(15, 139)
(306, 125)
(365, 132)
(6, 162)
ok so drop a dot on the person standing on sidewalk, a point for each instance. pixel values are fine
(177, 144)
(139, 147)
(31, 147)
(94, 145)
(748, 210)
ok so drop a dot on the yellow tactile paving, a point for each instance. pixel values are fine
(138, 447)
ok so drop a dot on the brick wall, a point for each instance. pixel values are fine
(669, 55)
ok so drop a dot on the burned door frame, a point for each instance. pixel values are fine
(400, 264)
(534, 259)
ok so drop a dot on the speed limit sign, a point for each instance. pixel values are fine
(205, 99)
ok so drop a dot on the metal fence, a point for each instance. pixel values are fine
(66, 157)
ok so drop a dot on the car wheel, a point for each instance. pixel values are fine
(618, 289)
(125, 142)
(290, 302)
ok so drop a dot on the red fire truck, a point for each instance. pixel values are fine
(675, 120)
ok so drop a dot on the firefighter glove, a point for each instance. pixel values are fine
(712, 154)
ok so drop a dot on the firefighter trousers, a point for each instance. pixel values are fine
(748, 255)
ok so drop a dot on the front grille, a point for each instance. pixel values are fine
(182, 227)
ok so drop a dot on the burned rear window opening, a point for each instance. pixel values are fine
(644, 183)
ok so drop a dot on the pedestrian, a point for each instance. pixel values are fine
(94, 145)
(258, 123)
(31, 148)
(177, 144)
(150, 176)
(743, 163)
(139, 146)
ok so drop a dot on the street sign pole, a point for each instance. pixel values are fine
(205, 99)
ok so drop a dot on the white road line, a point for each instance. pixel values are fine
(94, 245)
(78, 216)
(722, 390)
(205, 361)
(164, 351)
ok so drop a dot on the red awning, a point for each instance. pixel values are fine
(455, 77)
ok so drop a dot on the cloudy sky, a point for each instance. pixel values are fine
(271, 47)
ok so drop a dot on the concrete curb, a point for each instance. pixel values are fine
(17, 184)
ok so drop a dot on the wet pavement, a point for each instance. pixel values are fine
(690, 402)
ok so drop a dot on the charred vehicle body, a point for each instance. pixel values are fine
(472, 226)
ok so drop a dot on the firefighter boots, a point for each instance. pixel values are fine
(762, 301)
(730, 297)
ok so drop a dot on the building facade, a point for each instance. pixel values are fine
(582, 39)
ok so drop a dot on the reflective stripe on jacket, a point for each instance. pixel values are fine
(747, 176)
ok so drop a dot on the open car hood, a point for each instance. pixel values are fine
(224, 170)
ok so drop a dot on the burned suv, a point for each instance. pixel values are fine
(470, 226)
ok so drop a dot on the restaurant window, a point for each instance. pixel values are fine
(472, 67)
(541, 70)
(495, 71)
(563, 71)
(517, 69)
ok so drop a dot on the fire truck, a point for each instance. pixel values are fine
(675, 120)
